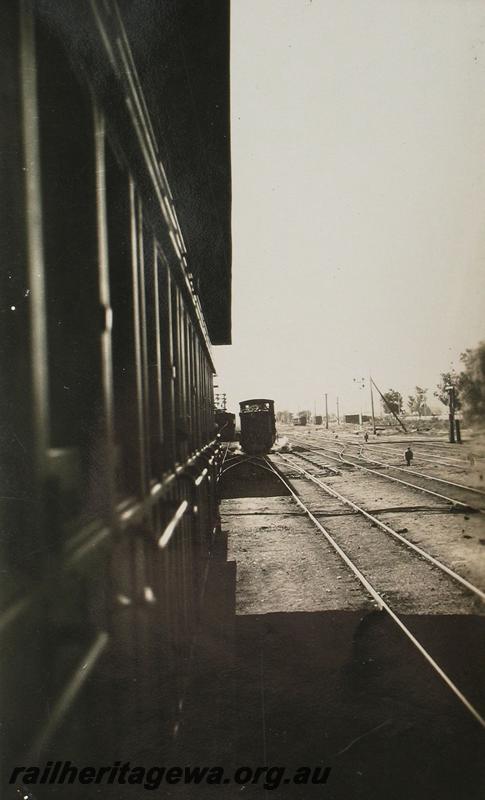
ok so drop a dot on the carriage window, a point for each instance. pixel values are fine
(167, 359)
(178, 333)
(121, 277)
(194, 411)
(70, 251)
(186, 421)
(152, 355)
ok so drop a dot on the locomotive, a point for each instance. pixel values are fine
(258, 426)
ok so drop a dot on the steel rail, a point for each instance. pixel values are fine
(451, 500)
(389, 447)
(406, 470)
(433, 460)
(470, 586)
(428, 477)
(362, 445)
(235, 463)
(382, 604)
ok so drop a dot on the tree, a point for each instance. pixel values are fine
(417, 403)
(451, 378)
(393, 400)
(472, 382)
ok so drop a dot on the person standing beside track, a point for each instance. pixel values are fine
(409, 455)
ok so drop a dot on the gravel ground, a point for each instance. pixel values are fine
(469, 468)
(283, 565)
(413, 585)
(458, 539)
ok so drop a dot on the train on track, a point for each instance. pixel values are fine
(116, 276)
(225, 425)
(258, 426)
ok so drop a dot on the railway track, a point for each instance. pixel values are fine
(466, 498)
(427, 452)
(387, 529)
(360, 560)
(383, 450)
(424, 455)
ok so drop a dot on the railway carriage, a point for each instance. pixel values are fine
(115, 270)
(225, 425)
(258, 425)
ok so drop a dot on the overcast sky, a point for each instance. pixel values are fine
(358, 163)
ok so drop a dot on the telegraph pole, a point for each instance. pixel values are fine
(338, 413)
(326, 412)
(372, 406)
(360, 382)
(451, 416)
(458, 430)
(389, 407)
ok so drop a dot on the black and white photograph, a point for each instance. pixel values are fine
(242, 371)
